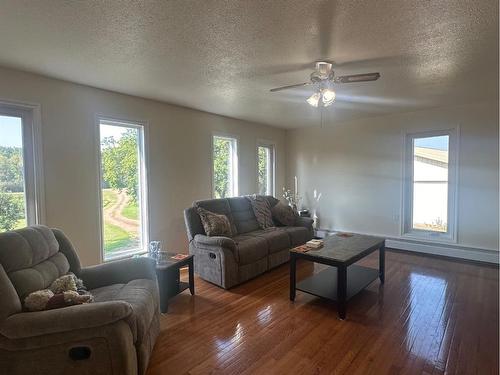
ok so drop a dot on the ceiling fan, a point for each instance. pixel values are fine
(323, 76)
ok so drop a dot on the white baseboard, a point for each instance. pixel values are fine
(470, 253)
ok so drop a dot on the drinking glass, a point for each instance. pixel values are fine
(154, 247)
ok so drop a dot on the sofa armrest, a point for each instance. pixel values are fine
(118, 272)
(306, 222)
(89, 315)
(215, 241)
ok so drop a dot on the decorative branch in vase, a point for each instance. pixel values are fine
(292, 199)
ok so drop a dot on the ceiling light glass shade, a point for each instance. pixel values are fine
(314, 99)
(328, 97)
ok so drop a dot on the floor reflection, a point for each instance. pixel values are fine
(428, 316)
(225, 345)
(264, 315)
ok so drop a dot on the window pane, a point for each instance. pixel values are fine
(430, 183)
(224, 168)
(264, 170)
(12, 192)
(121, 154)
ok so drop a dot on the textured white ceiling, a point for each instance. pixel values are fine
(224, 56)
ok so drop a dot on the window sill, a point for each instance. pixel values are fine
(125, 255)
(429, 237)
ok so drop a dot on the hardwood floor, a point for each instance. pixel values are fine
(432, 316)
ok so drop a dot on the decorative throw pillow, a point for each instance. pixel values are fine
(262, 211)
(283, 214)
(214, 224)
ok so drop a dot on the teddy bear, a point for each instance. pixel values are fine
(63, 284)
(66, 290)
(45, 299)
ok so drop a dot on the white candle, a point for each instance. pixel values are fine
(296, 189)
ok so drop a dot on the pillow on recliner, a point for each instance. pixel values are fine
(283, 214)
(214, 224)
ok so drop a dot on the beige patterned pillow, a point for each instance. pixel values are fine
(284, 214)
(214, 224)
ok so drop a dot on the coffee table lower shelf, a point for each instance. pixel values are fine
(324, 283)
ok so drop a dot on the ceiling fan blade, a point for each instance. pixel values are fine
(357, 78)
(290, 86)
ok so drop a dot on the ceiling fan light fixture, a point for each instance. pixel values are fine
(327, 97)
(324, 79)
(313, 100)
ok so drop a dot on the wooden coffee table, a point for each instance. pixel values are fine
(343, 279)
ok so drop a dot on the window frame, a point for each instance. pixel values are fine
(144, 191)
(34, 193)
(407, 229)
(235, 162)
(272, 179)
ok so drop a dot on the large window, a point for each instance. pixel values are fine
(19, 187)
(123, 188)
(430, 185)
(225, 167)
(265, 169)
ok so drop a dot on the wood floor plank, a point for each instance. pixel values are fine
(432, 316)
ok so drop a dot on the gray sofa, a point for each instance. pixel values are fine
(226, 261)
(113, 335)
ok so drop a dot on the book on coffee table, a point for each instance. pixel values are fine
(302, 249)
(180, 256)
(315, 244)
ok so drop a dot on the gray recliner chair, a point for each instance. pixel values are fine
(113, 335)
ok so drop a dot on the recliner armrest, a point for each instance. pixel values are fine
(118, 272)
(215, 241)
(89, 315)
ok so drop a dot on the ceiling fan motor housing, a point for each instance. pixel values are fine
(322, 72)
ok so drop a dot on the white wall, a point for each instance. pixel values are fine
(357, 167)
(179, 155)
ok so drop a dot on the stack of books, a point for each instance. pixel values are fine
(315, 244)
(310, 245)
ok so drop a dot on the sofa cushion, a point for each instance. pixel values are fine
(276, 238)
(250, 248)
(272, 200)
(243, 215)
(215, 224)
(283, 214)
(141, 294)
(219, 206)
(298, 235)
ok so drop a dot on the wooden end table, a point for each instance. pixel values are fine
(343, 279)
(168, 274)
